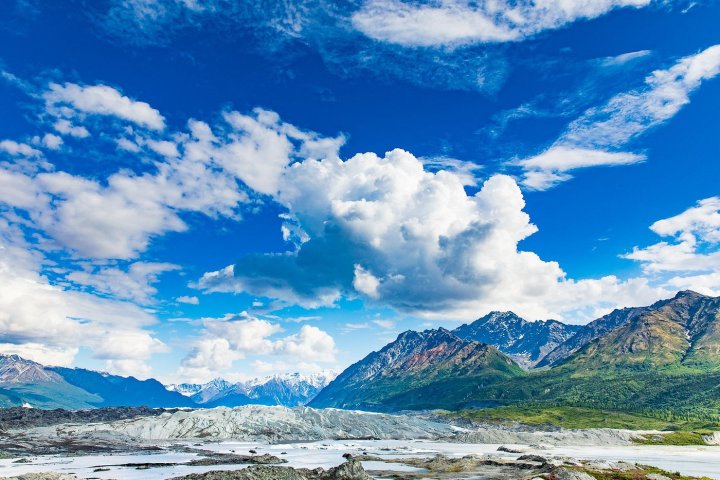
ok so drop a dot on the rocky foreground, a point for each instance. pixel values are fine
(58, 432)
(525, 467)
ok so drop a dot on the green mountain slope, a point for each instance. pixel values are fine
(24, 381)
(663, 360)
(683, 332)
(430, 369)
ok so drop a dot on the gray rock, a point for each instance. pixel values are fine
(656, 476)
(532, 458)
(563, 473)
(350, 470)
(505, 448)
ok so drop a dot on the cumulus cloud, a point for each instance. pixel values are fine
(53, 142)
(49, 323)
(458, 22)
(66, 127)
(385, 229)
(14, 148)
(208, 170)
(70, 100)
(37, 352)
(595, 137)
(235, 337)
(690, 258)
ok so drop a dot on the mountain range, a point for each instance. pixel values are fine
(661, 358)
(528, 343)
(414, 371)
(290, 390)
(24, 382)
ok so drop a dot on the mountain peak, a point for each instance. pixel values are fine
(526, 342)
(684, 330)
(15, 369)
(689, 294)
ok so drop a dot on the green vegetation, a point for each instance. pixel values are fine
(637, 474)
(581, 417)
(676, 438)
(646, 368)
(48, 395)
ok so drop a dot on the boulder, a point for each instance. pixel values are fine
(563, 473)
(350, 470)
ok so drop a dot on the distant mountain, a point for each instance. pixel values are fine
(290, 390)
(430, 369)
(525, 342)
(186, 389)
(115, 390)
(24, 381)
(203, 393)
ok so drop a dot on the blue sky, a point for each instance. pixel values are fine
(231, 188)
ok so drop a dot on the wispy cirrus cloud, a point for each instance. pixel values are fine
(287, 29)
(459, 22)
(598, 136)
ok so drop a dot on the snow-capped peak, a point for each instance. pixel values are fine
(286, 389)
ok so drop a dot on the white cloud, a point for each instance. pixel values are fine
(69, 99)
(188, 300)
(235, 337)
(210, 355)
(37, 352)
(310, 343)
(386, 324)
(207, 170)
(624, 58)
(49, 323)
(594, 138)
(53, 142)
(349, 327)
(549, 168)
(630, 114)
(365, 282)
(129, 368)
(701, 221)
(14, 148)
(67, 128)
(693, 251)
(458, 22)
(467, 172)
(415, 240)
(133, 283)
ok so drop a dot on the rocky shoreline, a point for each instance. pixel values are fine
(524, 467)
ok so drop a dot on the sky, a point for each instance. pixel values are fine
(230, 188)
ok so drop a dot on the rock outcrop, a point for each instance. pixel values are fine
(350, 470)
